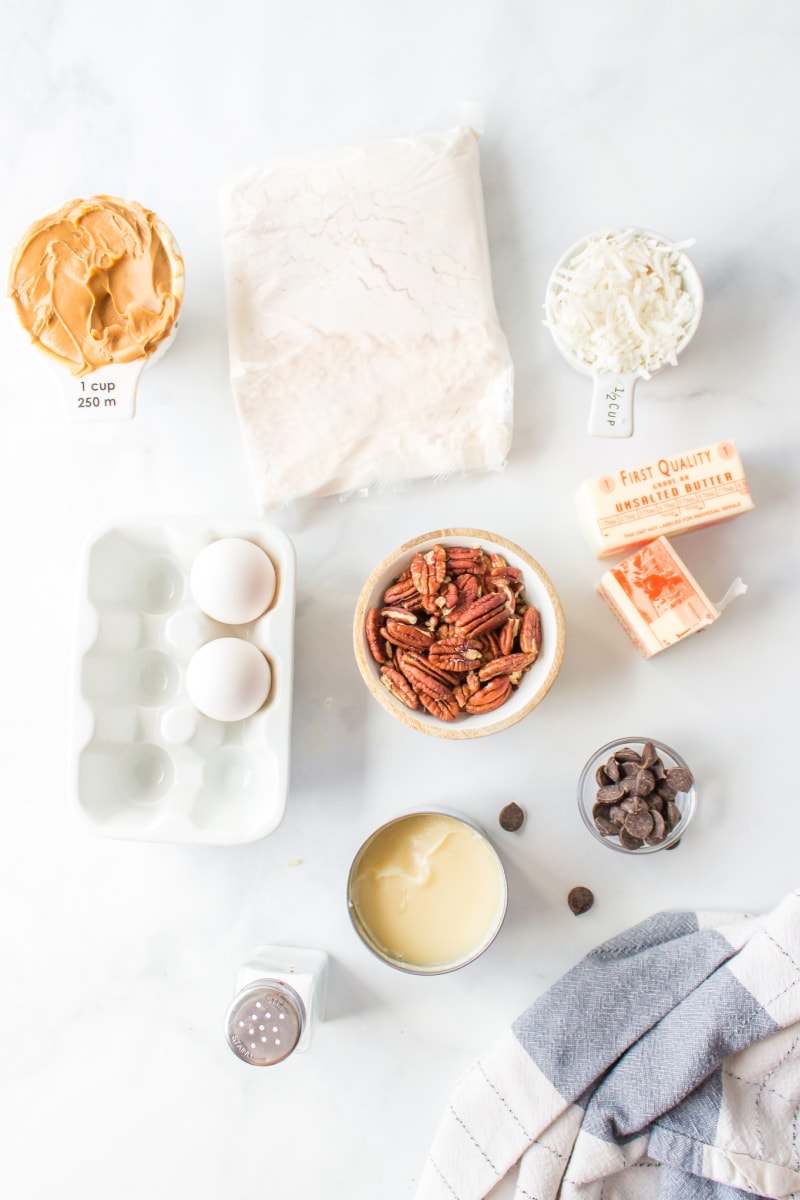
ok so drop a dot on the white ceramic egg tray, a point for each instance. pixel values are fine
(147, 765)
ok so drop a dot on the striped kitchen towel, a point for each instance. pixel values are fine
(665, 1065)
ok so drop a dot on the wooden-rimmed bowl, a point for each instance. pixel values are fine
(534, 684)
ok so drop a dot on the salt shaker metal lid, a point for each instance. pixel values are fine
(264, 1022)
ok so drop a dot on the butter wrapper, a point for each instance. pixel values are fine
(664, 497)
(656, 598)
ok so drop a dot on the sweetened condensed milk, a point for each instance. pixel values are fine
(427, 892)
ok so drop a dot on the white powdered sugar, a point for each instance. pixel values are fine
(364, 342)
(620, 305)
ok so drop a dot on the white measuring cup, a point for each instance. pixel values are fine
(108, 393)
(611, 412)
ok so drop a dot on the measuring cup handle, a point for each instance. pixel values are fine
(612, 406)
(107, 394)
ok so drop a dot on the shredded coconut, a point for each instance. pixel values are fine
(621, 306)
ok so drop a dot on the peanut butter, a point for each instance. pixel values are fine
(97, 282)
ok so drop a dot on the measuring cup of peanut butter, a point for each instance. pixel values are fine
(97, 286)
(621, 305)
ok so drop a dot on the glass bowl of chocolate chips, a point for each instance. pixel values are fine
(637, 795)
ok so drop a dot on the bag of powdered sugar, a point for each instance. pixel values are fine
(365, 347)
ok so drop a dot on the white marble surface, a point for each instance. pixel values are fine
(118, 957)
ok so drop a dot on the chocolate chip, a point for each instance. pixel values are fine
(679, 778)
(672, 815)
(644, 782)
(639, 825)
(580, 900)
(629, 841)
(512, 817)
(601, 779)
(649, 756)
(610, 792)
(659, 829)
(611, 769)
(626, 754)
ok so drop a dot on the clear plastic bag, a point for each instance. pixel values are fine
(365, 347)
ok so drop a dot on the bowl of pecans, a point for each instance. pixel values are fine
(637, 795)
(459, 633)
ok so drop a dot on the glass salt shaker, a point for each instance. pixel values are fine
(280, 993)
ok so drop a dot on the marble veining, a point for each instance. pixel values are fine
(121, 957)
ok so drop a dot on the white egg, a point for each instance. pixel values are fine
(232, 581)
(228, 679)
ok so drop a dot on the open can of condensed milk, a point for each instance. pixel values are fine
(427, 892)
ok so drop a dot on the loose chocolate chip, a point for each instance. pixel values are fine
(580, 900)
(512, 817)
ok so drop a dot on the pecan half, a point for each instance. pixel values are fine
(372, 629)
(428, 571)
(505, 638)
(491, 646)
(468, 589)
(417, 659)
(507, 664)
(484, 614)
(399, 687)
(398, 613)
(456, 654)
(423, 677)
(506, 574)
(446, 709)
(530, 631)
(466, 559)
(403, 592)
(466, 689)
(490, 696)
(409, 636)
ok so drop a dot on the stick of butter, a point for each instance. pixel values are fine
(666, 496)
(655, 598)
